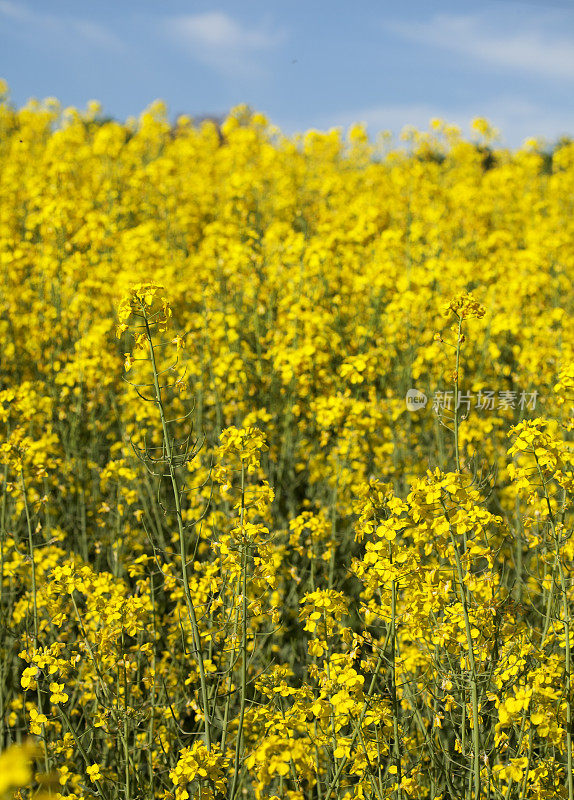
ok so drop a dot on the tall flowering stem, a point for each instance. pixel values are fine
(140, 302)
(239, 454)
(463, 307)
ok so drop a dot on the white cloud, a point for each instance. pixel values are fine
(72, 31)
(528, 49)
(516, 119)
(222, 43)
(216, 29)
(13, 11)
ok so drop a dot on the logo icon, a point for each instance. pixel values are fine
(416, 400)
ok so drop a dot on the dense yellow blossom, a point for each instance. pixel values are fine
(286, 458)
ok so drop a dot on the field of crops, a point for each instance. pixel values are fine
(287, 492)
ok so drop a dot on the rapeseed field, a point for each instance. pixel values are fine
(287, 469)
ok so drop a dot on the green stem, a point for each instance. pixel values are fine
(34, 598)
(239, 739)
(471, 661)
(394, 701)
(182, 546)
(456, 454)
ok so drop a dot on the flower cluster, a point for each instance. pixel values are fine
(198, 765)
(465, 307)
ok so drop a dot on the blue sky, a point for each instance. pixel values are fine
(305, 64)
